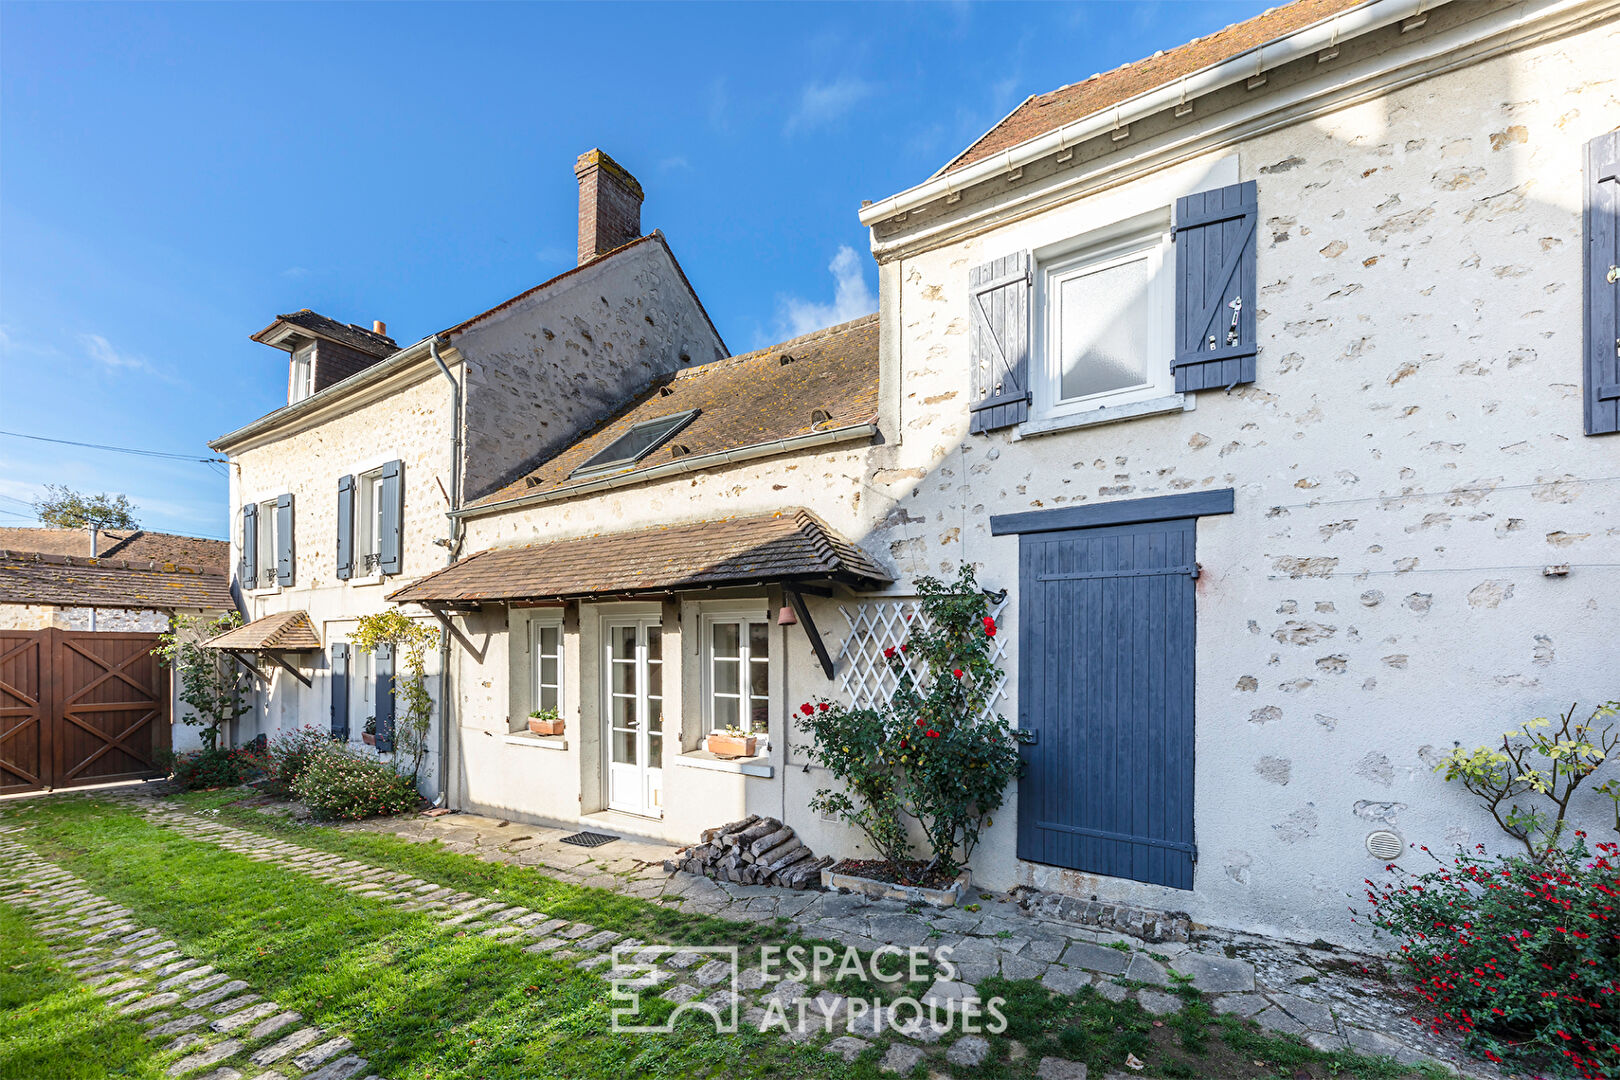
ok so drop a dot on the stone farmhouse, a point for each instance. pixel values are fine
(1268, 383)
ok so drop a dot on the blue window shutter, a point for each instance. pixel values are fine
(393, 510)
(248, 573)
(284, 540)
(998, 342)
(345, 528)
(1215, 269)
(340, 691)
(384, 697)
(1602, 302)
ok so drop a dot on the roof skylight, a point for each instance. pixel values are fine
(635, 444)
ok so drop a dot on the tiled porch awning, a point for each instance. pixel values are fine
(791, 546)
(285, 631)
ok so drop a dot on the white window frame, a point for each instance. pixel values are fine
(266, 548)
(538, 624)
(303, 374)
(367, 529)
(741, 617)
(1147, 237)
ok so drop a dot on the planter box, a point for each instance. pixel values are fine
(545, 727)
(371, 740)
(723, 745)
(949, 896)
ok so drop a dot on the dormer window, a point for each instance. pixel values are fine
(303, 373)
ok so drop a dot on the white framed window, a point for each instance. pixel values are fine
(737, 673)
(303, 373)
(267, 554)
(546, 664)
(1105, 305)
(368, 524)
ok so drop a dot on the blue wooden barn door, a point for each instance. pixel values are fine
(1106, 682)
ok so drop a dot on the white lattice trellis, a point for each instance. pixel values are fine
(874, 625)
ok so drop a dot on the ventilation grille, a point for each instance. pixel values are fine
(1385, 845)
(589, 839)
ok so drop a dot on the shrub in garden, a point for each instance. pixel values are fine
(931, 753)
(215, 768)
(338, 783)
(1521, 956)
(290, 752)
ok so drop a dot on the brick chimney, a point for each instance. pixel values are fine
(609, 205)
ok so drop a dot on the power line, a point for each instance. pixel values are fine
(1481, 490)
(115, 449)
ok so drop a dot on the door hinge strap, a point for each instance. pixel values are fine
(1087, 575)
(1127, 838)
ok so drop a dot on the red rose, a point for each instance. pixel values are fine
(888, 654)
(932, 734)
(806, 709)
(957, 672)
(824, 706)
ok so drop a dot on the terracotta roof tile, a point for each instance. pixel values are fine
(139, 544)
(741, 401)
(791, 545)
(1048, 112)
(289, 631)
(31, 577)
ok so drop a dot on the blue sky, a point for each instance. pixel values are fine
(174, 175)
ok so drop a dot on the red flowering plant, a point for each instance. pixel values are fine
(934, 753)
(1520, 956)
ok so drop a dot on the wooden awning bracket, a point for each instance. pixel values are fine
(796, 598)
(277, 659)
(477, 652)
(250, 665)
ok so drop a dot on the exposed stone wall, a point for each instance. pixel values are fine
(553, 364)
(1407, 461)
(107, 620)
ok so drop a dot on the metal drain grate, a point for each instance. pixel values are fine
(589, 839)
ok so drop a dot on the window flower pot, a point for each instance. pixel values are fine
(371, 740)
(725, 744)
(538, 726)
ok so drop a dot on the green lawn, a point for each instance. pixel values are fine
(422, 1001)
(50, 1025)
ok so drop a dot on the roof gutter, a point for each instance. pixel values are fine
(680, 465)
(1246, 65)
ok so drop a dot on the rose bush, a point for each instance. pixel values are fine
(338, 783)
(933, 753)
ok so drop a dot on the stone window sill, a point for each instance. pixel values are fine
(702, 759)
(1108, 414)
(543, 742)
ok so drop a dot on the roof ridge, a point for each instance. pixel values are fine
(91, 562)
(762, 353)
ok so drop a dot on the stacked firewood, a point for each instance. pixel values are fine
(753, 851)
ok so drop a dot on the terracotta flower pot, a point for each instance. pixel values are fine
(545, 727)
(371, 740)
(723, 745)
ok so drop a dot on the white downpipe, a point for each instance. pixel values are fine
(1240, 68)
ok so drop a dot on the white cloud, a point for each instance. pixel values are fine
(852, 298)
(102, 352)
(822, 104)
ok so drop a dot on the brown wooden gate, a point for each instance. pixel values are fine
(79, 708)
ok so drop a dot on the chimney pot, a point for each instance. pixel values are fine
(609, 205)
(379, 327)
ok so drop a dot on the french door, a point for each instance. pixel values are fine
(634, 668)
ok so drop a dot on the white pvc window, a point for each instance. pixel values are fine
(368, 529)
(545, 665)
(303, 374)
(738, 659)
(1105, 333)
(267, 553)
